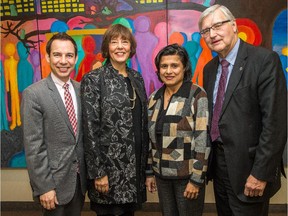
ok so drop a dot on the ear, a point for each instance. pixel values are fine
(47, 57)
(76, 59)
(234, 26)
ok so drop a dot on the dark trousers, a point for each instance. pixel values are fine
(227, 202)
(173, 202)
(73, 208)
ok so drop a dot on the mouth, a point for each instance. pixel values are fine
(169, 77)
(215, 41)
(120, 53)
(63, 69)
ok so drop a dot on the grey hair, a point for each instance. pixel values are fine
(211, 10)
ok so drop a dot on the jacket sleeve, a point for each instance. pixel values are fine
(91, 118)
(200, 145)
(32, 115)
(272, 94)
(149, 170)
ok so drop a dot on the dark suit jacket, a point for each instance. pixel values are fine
(253, 121)
(51, 148)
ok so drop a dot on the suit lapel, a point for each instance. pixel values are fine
(58, 101)
(79, 111)
(236, 75)
(212, 70)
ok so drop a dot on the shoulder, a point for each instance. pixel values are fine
(257, 53)
(93, 76)
(135, 73)
(212, 63)
(195, 87)
(37, 87)
(75, 83)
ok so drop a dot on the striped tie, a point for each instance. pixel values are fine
(70, 107)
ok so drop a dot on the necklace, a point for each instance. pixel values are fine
(133, 100)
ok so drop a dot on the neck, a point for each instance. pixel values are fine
(121, 68)
(170, 90)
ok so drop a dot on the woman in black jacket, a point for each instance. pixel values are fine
(114, 107)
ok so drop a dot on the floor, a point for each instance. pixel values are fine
(90, 213)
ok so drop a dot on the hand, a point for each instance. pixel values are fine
(102, 184)
(191, 191)
(151, 184)
(48, 200)
(254, 187)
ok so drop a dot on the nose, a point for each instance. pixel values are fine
(120, 45)
(63, 59)
(169, 70)
(212, 33)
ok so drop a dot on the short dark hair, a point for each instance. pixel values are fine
(61, 36)
(115, 31)
(175, 49)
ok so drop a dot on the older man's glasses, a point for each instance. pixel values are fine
(216, 27)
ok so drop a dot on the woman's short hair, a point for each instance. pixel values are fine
(61, 36)
(175, 49)
(114, 31)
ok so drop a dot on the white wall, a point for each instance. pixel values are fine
(15, 187)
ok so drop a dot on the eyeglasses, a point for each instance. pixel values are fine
(215, 27)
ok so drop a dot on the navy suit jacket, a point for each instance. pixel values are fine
(253, 122)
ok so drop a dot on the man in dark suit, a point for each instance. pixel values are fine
(51, 116)
(247, 102)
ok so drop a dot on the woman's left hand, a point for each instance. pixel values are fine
(191, 191)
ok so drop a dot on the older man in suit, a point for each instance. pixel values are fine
(247, 101)
(51, 116)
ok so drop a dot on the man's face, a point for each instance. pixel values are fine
(62, 59)
(222, 36)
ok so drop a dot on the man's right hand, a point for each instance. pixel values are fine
(48, 200)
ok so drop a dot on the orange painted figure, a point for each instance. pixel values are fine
(204, 58)
(10, 72)
(45, 67)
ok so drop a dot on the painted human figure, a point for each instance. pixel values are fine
(4, 120)
(24, 68)
(10, 71)
(86, 65)
(35, 61)
(146, 44)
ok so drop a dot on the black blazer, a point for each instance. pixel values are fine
(253, 123)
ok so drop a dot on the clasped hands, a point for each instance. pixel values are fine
(254, 187)
(102, 184)
(191, 190)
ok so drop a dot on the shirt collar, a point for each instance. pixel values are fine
(59, 82)
(231, 57)
(183, 91)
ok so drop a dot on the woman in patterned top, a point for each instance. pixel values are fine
(177, 125)
(114, 105)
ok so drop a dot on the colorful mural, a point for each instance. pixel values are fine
(26, 26)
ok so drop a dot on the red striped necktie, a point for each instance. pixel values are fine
(70, 107)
